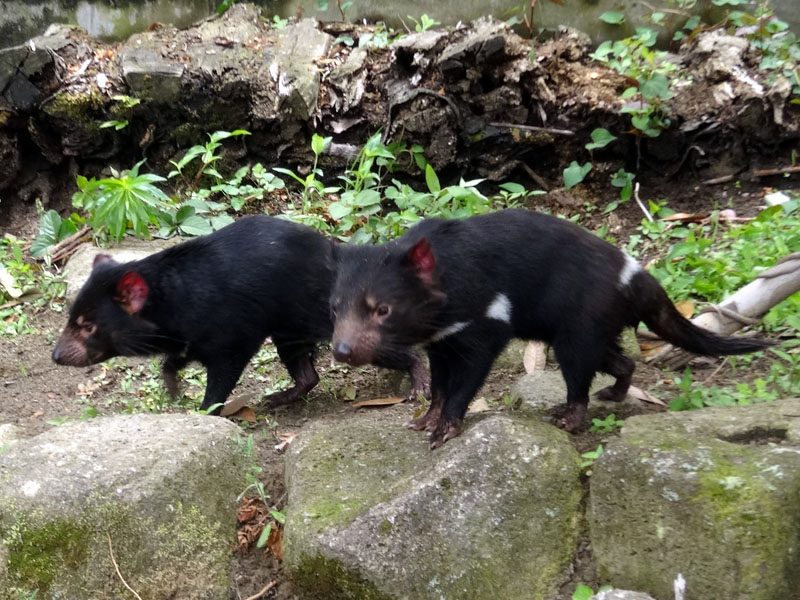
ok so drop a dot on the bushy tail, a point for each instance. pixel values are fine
(660, 315)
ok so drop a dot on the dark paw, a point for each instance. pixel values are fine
(570, 417)
(282, 398)
(445, 430)
(428, 421)
(424, 423)
(609, 394)
(421, 388)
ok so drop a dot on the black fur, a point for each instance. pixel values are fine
(214, 300)
(563, 285)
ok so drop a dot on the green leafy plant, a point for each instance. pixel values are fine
(525, 9)
(53, 229)
(311, 183)
(584, 592)
(607, 425)
(624, 181)
(635, 57)
(223, 6)
(342, 6)
(278, 23)
(589, 458)
(278, 517)
(207, 156)
(425, 22)
(124, 107)
(125, 200)
(778, 47)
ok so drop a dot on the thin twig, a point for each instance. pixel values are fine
(781, 171)
(552, 130)
(708, 379)
(641, 205)
(535, 176)
(723, 179)
(116, 566)
(68, 244)
(267, 588)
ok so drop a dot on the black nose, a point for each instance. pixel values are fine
(342, 351)
(56, 355)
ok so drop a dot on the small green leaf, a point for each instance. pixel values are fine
(264, 537)
(582, 592)
(612, 17)
(195, 225)
(432, 180)
(575, 173)
(600, 139)
(338, 210)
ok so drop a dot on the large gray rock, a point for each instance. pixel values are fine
(711, 494)
(540, 392)
(162, 488)
(373, 513)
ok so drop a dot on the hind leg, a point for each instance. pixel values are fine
(222, 377)
(621, 367)
(578, 361)
(169, 371)
(299, 361)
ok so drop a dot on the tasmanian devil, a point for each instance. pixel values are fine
(214, 300)
(464, 288)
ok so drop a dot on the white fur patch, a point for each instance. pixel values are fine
(630, 269)
(500, 309)
(449, 330)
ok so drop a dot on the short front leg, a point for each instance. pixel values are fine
(438, 388)
(470, 359)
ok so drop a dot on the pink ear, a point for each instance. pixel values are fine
(132, 292)
(100, 259)
(421, 257)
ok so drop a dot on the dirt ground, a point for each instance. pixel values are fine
(37, 393)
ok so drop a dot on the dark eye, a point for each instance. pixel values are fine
(89, 328)
(383, 310)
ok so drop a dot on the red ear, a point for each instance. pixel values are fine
(100, 259)
(423, 261)
(132, 292)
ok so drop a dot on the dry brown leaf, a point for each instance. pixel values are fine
(234, 405)
(685, 218)
(286, 439)
(244, 414)
(534, 357)
(640, 394)
(389, 401)
(275, 541)
(478, 405)
(686, 308)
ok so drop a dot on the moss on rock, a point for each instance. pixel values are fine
(675, 495)
(373, 513)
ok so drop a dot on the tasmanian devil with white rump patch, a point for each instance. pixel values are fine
(214, 299)
(464, 288)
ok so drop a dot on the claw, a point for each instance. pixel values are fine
(443, 432)
(570, 416)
